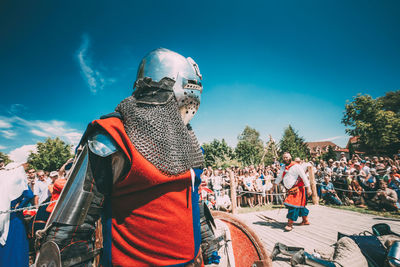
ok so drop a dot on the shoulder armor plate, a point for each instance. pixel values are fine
(102, 144)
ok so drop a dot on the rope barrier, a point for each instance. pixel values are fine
(27, 208)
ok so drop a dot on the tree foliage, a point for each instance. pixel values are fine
(376, 122)
(50, 155)
(218, 154)
(294, 144)
(329, 155)
(250, 148)
(5, 157)
(271, 152)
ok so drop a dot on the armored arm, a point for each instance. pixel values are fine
(72, 224)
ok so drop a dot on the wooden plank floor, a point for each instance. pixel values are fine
(325, 222)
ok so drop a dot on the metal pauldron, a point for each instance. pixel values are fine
(74, 202)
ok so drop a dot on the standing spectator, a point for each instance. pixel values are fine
(375, 162)
(15, 193)
(216, 180)
(41, 189)
(31, 178)
(53, 177)
(342, 157)
(1, 164)
(249, 187)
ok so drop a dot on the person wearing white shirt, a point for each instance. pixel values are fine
(223, 202)
(41, 189)
(296, 182)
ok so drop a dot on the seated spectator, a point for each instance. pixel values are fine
(357, 194)
(385, 199)
(223, 202)
(371, 185)
(329, 193)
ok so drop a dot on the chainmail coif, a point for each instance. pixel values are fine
(159, 135)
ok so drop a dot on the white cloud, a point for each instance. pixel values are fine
(53, 128)
(8, 133)
(5, 124)
(73, 137)
(93, 77)
(2, 147)
(333, 138)
(20, 155)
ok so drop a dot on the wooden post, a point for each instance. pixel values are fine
(313, 185)
(233, 191)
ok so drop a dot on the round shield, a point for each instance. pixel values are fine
(49, 255)
(248, 250)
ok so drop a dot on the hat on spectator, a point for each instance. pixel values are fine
(380, 169)
(342, 153)
(357, 164)
(57, 188)
(330, 160)
(372, 171)
(53, 173)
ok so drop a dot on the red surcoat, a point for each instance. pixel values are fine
(153, 223)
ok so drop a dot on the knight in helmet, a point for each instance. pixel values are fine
(138, 169)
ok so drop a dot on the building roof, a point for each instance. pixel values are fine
(353, 140)
(322, 147)
(321, 144)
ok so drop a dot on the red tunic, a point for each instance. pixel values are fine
(296, 197)
(153, 223)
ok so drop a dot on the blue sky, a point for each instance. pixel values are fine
(265, 64)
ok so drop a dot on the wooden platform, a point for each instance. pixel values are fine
(325, 222)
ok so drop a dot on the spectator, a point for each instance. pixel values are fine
(223, 202)
(41, 189)
(329, 193)
(357, 195)
(53, 177)
(31, 178)
(216, 182)
(342, 157)
(14, 246)
(386, 198)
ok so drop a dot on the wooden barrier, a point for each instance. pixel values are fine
(315, 198)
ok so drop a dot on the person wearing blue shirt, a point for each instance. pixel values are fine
(329, 193)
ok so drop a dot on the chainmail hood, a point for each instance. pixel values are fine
(159, 135)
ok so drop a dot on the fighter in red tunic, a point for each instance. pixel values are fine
(138, 170)
(296, 182)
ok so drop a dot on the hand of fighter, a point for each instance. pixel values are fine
(309, 193)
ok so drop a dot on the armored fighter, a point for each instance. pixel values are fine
(139, 170)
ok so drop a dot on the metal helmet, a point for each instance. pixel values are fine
(163, 64)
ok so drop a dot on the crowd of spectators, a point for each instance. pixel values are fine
(372, 182)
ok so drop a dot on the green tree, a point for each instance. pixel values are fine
(329, 155)
(250, 148)
(376, 122)
(5, 157)
(50, 155)
(391, 101)
(352, 151)
(218, 154)
(294, 144)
